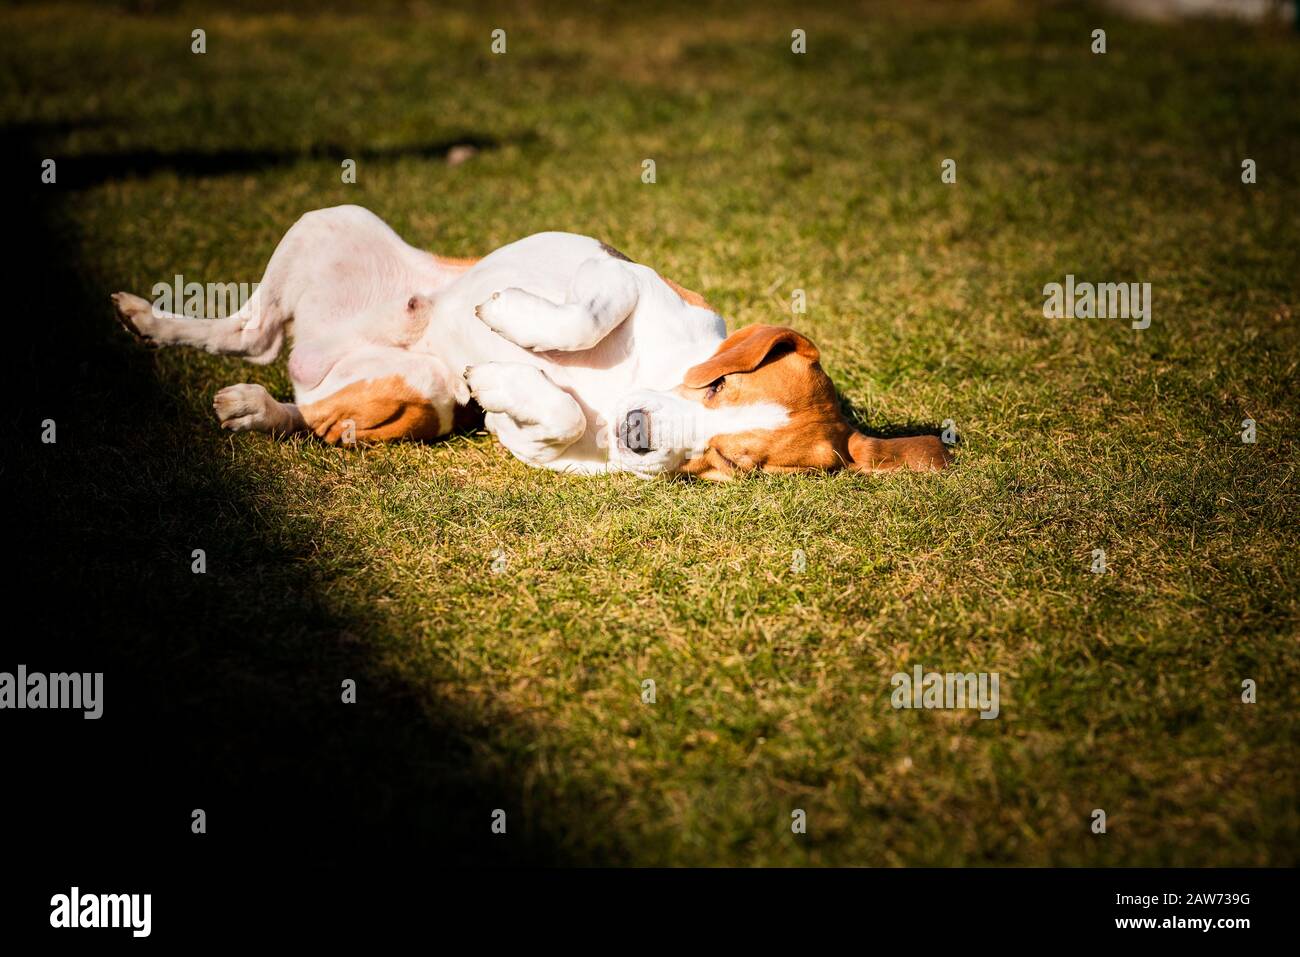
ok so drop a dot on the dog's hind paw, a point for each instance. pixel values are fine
(135, 315)
(245, 408)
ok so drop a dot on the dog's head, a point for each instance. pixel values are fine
(760, 403)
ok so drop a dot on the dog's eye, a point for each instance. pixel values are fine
(715, 388)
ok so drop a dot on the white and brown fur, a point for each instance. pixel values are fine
(561, 340)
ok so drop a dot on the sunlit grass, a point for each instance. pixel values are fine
(775, 172)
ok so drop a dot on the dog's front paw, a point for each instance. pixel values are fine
(135, 315)
(494, 311)
(511, 314)
(487, 386)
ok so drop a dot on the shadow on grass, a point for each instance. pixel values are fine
(85, 170)
(222, 691)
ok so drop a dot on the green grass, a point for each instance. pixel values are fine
(523, 690)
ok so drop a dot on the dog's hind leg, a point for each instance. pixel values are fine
(255, 332)
(377, 394)
(332, 267)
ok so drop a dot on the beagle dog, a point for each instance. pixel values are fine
(580, 359)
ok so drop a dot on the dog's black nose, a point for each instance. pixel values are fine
(636, 431)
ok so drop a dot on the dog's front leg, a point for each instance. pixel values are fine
(603, 293)
(529, 414)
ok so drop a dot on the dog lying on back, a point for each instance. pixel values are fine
(580, 359)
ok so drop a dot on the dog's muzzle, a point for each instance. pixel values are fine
(651, 433)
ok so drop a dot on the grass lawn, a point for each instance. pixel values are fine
(522, 690)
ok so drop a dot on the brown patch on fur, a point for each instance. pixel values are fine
(459, 264)
(380, 410)
(610, 250)
(692, 297)
(762, 363)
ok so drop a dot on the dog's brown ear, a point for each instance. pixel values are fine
(745, 350)
(919, 452)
